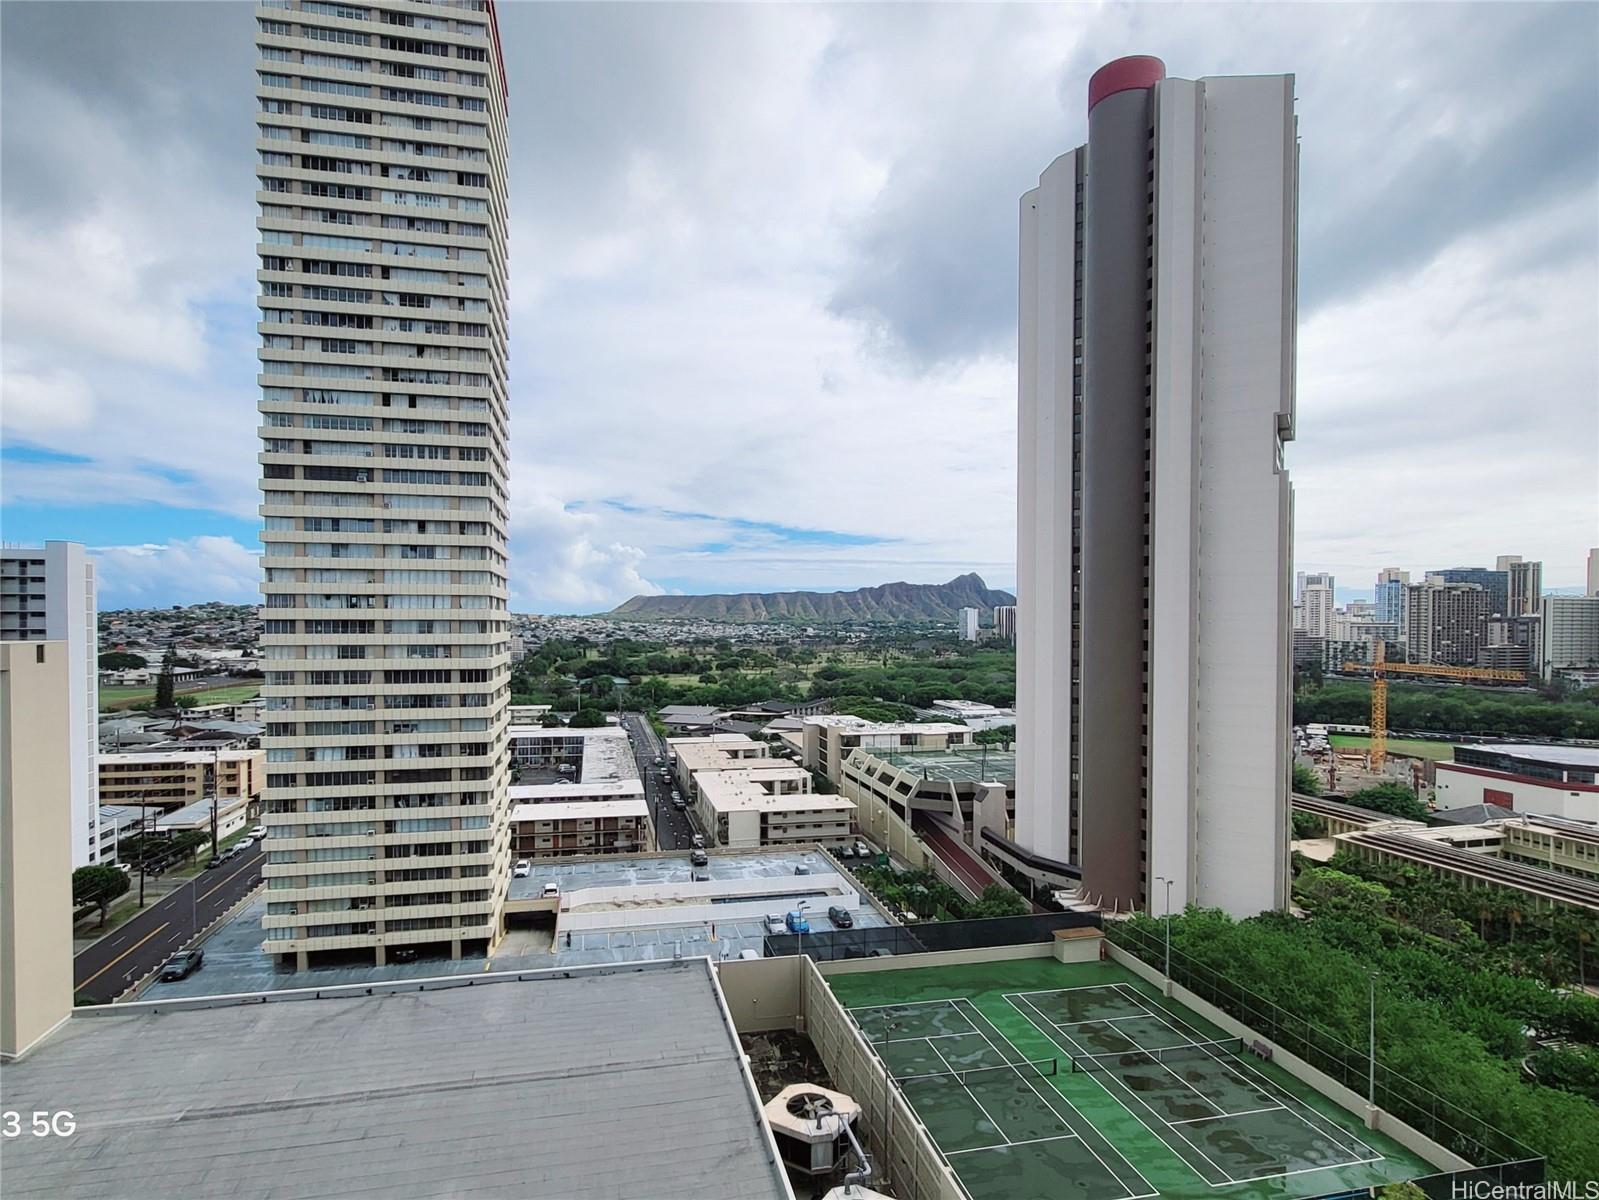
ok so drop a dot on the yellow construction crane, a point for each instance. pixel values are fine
(1380, 669)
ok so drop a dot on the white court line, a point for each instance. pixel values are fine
(998, 1128)
(1050, 1105)
(1274, 1092)
(1227, 1180)
(1065, 1137)
(1246, 1113)
(1097, 1020)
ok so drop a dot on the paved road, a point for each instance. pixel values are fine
(673, 830)
(136, 947)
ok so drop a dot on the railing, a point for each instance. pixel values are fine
(1441, 1120)
(928, 937)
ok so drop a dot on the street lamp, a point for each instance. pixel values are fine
(1167, 882)
(799, 927)
(1371, 1044)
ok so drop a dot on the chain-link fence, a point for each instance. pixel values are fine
(927, 937)
(1464, 1133)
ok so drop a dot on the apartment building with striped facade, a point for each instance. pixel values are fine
(381, 149)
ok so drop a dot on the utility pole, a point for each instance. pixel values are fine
(216, 784)
(144, 852)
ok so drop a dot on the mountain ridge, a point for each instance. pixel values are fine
(887, 602)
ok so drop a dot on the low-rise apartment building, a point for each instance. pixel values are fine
(550, 828)
(829, 740)
(714, 752)
(579, 792)
(171, 779)
(768, 806)
(591, 754)
(746, 799)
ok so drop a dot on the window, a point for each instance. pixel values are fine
(346, 36)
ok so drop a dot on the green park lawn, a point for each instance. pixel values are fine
(113, 699)
(1412, 747)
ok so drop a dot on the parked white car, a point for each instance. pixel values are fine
(522, 869)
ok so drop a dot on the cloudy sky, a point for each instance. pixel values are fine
(764, 284)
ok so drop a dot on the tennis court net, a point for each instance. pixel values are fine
(968, 1076)
(1126, 1060)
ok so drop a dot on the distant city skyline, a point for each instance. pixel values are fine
(837, 257)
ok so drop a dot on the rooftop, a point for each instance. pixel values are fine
(736, 791)
(954, 766)
(174, 756)
(1566, 756)
(849, 724)
(572, 810)
(199, 812)
(568, 789)
(347, 1092)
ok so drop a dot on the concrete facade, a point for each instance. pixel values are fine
(36, 835)
(170, 779)
(1154, 510)
(1005, 622)
(385, 410)
(1446, 623)
(1568, 633)
(48, 593)
(829, 740)
(1524, 585)
(969, 624)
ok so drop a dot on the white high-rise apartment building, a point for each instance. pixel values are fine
(1593, 572)
(1317, 599)
(1157, 352)
(1523, 585)
(969, 618)
(48, 594)
(382, 163)
(1568, 634)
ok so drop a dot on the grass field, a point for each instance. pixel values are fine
(1413, 747)
(115, 699)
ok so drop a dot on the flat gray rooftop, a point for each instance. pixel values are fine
(596, 1084)
(954, 766)
(629, 871)
(234, 961)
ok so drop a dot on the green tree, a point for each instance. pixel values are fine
(588, 718)
(997, 900)
(118, 660)
(1308, 825)
(98, 885)
(550, 721)
(1306, 781)
(165, 685)
(1395, 799)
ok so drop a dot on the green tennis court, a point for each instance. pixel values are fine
(994, 1114)
(1077, 1081)
(1220, 1115)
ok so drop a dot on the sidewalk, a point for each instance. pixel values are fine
(88, 931)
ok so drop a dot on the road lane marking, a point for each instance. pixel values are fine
(227, 881)
(122, 956)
